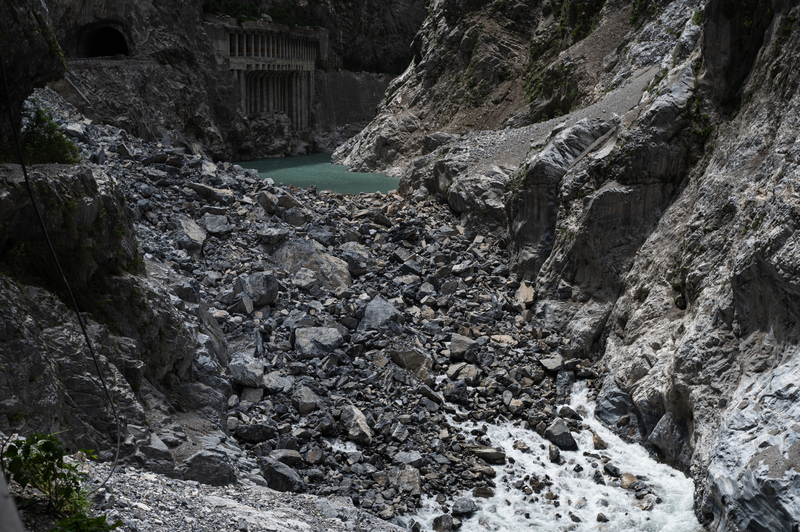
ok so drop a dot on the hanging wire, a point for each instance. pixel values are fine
(63, 277)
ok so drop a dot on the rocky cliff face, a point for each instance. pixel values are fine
(344, 104)
(134, 328)
(31, 56)
(475, 64)
(369, 35)
(657, 221)
(166, 76)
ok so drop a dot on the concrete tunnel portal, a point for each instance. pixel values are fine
(104, 41)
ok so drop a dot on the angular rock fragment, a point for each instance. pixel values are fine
(286, 456)
(216, 224)
(261, 287)
(267, 201)
(355, 423)
(459, 345)
(316, 342)
(246, 370)
(380, 315)
(490, 455)
(294, 254)
(464, 507)
(209, 467)
(306, 401)
(255, 432)
(190, 236)
(274, 382)
(305, 279)
(222, 196)
(280, 476)
(359, 260)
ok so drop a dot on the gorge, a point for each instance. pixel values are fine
(595, 196)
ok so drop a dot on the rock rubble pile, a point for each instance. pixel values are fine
(339, 340)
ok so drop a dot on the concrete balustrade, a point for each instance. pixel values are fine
(273, 65)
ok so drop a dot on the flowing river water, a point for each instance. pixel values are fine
(573, 501)
(316, 169)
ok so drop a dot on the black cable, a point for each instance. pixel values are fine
(63, 277)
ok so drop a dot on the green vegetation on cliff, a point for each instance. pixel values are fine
(574, 21)
(42, 142)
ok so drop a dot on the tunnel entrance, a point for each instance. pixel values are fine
(104, 41)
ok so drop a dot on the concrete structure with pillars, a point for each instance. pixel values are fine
(274, 65)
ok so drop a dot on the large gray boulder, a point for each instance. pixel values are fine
(460, 345)
(209, 467)
(190, 236)
(359, 259)
(464, 507)
(216, 224)
(316, 342)
(380, 315)
(246, 370)
(558, 433)
(261, 287)
(280, 476)
(297, 253)
(255, 432)
(275, 382)
(306, 401)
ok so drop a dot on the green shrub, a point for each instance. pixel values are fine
(38, 462)
(42, 142)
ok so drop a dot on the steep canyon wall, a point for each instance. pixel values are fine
(649, 191)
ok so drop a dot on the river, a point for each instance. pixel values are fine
(573, 501)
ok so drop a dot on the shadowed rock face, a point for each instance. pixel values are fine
(171, 82)
(171, 78)
(372, 36)
(31, 54)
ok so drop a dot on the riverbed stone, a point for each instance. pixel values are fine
(558, 433)
(464, 507)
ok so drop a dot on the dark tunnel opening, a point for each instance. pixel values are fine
(105, 41)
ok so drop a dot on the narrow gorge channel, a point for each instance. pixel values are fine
(552, 286)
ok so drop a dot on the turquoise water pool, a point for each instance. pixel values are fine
(306, 170)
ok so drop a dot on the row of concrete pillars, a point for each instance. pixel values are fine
(288, 91)
(272, 45)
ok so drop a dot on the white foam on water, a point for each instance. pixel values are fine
(341, 446)
(510, 509)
